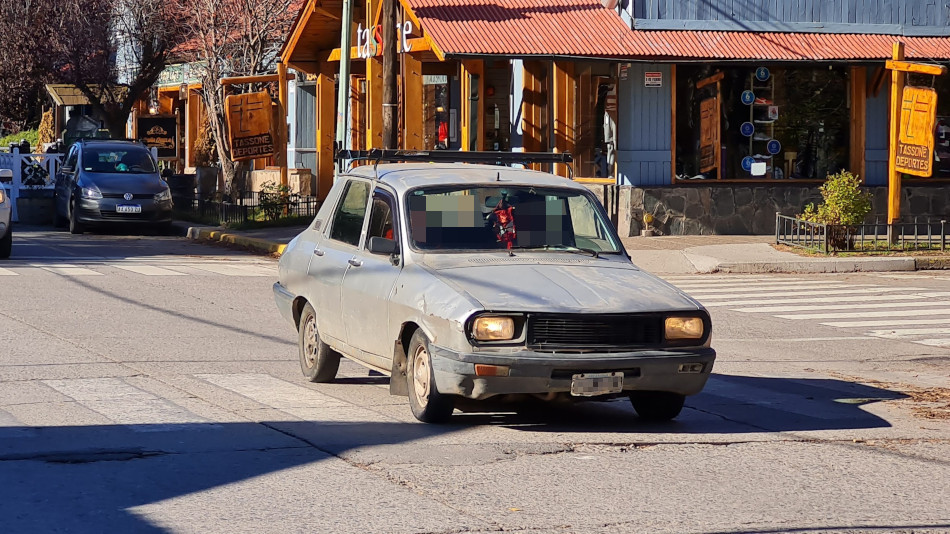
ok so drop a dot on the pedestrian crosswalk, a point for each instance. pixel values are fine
(918, 313)
(157, 267)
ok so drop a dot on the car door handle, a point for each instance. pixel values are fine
(355, 262)
(317, 252)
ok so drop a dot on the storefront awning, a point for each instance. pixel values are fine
(684, 44)
(522, 27)
(69, 95)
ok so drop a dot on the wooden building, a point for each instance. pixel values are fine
(508, 75)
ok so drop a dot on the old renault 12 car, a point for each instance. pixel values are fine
(107, 181)
(464, 280)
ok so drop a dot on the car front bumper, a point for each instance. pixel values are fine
(285, 302)
(104, 211)
(533, 372)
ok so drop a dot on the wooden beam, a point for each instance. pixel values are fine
(858, 120)
(920, 68)
(425, 35)
(325, 121)
(473, 105)
(263, 78)
(533, 107)
(417, 44)
(280, 139)
(715, 78)
(894, 177)
(563, 100)
(413, 116)
(877, 81)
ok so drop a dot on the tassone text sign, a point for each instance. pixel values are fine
(249, 126)
(915, 143)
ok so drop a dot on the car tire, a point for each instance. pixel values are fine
(428, 405)
(75, 227)
(657, 405)
(318, 361)
(6, 245)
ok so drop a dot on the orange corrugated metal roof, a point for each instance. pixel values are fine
(523, 27)
(780, 46)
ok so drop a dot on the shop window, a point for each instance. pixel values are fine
(761, 122)
(438, 131)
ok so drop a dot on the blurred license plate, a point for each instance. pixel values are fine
(592, 384)
(128, 208)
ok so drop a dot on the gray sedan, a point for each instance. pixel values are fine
(477, 281)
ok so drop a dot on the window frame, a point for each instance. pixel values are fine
(337, 210)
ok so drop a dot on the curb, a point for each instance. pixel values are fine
(834, 266)
(926, 264)
(213, 234)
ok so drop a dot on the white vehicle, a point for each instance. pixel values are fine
(6, 212)
(473, 281)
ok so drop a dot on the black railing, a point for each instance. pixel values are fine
(869, 237)
(248, 206)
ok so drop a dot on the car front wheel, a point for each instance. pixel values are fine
(318, 361)
(657, 405)
(428, 405)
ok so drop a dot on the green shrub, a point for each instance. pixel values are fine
(844, 202)
(30, 135)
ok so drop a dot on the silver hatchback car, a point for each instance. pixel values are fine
(474, 281)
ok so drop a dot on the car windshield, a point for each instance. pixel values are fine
(519, 217)
(128, 161)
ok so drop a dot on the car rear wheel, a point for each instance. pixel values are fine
(318, 361)
(657, 405)
(6, 245)
(74, 225)
(428, 405)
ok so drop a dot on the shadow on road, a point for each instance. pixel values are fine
(729, 404)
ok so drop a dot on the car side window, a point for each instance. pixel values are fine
(381, 223)
(72, 159)
(348, 220)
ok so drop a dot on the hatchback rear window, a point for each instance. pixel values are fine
(131, 161)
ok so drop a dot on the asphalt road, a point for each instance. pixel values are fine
(148, 384)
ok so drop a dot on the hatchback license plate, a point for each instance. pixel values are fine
(593, 384)
(128, 208)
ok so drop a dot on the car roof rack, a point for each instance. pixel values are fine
(378, 155)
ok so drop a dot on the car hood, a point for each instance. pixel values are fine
(125, 183)
(604, 287)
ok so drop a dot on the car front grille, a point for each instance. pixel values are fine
(135, 196)
(552, 332)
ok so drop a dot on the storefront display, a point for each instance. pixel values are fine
(794, 120)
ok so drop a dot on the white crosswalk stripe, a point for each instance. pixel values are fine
(7, 272)
(884, 311)
(149, 270)
(143, 268)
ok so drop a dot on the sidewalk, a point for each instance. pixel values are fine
(668, 255)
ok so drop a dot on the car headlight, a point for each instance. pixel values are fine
(684, 328)
(164, 195)
(493, 328)
(91, 192)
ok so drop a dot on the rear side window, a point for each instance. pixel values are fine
(348, 220)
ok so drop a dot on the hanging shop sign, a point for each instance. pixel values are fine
(747, 129)
(915, 143)
(160, 133)
(249, 119)
(653, 79)
(708, 134)
(748, 97)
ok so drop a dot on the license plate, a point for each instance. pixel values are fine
(128, 208)
(593, 384)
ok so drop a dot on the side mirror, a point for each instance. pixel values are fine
(381, 245)
(6, 175)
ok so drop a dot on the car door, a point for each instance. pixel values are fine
(368, 285)
(64, 180)
(331, 258)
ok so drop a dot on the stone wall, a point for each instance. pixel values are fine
(744, 209)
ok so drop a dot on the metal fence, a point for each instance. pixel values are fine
(827, 238)
(248, 206)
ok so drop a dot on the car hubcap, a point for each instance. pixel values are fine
(310, 342)
(420, 375)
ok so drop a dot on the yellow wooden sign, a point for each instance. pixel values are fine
(915, 142)
(250, 120)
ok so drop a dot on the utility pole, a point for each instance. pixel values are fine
(390, 118)
(343, 90)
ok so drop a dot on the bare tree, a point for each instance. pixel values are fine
(233, 38)
(113, 51)
(25, 64)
